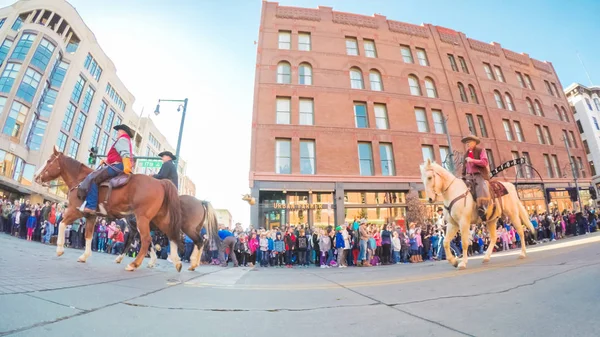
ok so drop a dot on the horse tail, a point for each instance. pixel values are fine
(210, 221)
(173, 206)
(525, 219)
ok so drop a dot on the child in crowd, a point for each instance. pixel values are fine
(340, 245)
(264, 248)
(279, 250)
(324, 246)
(241, 250)
(253, 246)
(290, 246)
(505, 239)
(396, 247)
(302, 248)
(414, 248)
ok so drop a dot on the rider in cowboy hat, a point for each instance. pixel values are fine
(118, 160)
(168, 169)
(477, 166)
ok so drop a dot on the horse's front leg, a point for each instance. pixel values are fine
(152, 262)
(491, 226)
(68, 218)
(90, 224)
(464, 235)
(143, 224)
(452, 229)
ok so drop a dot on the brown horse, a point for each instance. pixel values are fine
(147, 198)
(196, 214)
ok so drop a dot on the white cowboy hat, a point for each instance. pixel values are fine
(471, 137)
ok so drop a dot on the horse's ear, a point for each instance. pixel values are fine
(427, 162)
(56, 149)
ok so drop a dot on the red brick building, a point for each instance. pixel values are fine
(347, 106)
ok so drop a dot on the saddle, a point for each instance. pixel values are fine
(115, 182)
(101, 177)
(496, 188)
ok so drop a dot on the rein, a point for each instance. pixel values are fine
(462, 196)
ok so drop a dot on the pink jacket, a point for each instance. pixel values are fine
(253, 245)
(419, 240)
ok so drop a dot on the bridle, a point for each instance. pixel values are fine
(435, 173)
(45, 172)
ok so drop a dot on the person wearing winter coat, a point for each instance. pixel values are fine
(340, 245)
(302, 247)
(279, 250)
(324, 247)
(290, 246)
(396, 247)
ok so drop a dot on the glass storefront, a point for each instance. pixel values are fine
(278, 209)
(377, 207)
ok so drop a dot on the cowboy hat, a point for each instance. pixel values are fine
(471, 138)
(167, 153)
(124, 128)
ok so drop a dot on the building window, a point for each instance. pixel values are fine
(596, 103)
(482, 127)
(509, 102)
(573, 139)
(69, 115)
(566, 137)
(427, 151)
(530, 106)
(283, 159)
(303, 41)
(365, 157)
(528, 173)
(488, 71)
(307, 157)
(42, 55)
(95, 136)
(375, 79)
(555, 89)
(499, 74)
(452, 62)
(592, 168)
(29, 85)
(285, 39)
(540, 137)
(549, 170)
(528, 82)
(78, 89)
(360, 115)
(73, 148)
(305, 74)
(422, 57)
(520, 79)
(58, 74)
(548, 136)
(101, 113)
(23, 46)
(284, 73)
(61, 142)
(356, 80)
(508, 130)
(4, 48)
(463, 64)
(79, 125)
(369, 48)
(47, 103)
(564, 112)
(558, 112)
(549, 88)
(16, 120)
(518, 168)
(406, 54)
(109, 120)
(283, 115)
(498, 98)
(595, 124)
(381, 118)
(473, 94)
(463, 94)
(8, 76)
(103, 143)
(430, 88)
(17, 24)
(413, 83)
(306, 111)
(93, 67)
(351, 46)
(519, 131)
(490, 155)
(471, 124)
(580, 167)
(445, 156)
(589, 104)
(37, 134)
(556, 166)
(386, 156)
(422, 124)
(538, 108)
(585, 146)
(87, 99)
(438, 122)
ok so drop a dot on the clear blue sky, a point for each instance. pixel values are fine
(204, 50)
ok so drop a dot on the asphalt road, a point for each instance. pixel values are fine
(554, 292)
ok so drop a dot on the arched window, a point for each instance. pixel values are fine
(565, 116)
(463, 94)
(529, 106)
(509, 102)
(305, 74)
(284, 73)
(415, 87)
(498, 98)
(560, 116)
(375, 79)
(356, 80)
(538, 108)
(430, 88)
(473, 94)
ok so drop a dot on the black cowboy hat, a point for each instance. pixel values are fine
(471, 137)
(124, 128)
(168, 153)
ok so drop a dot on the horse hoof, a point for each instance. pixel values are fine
(130, 268)
(455, 264)
(462, 266)
(191, 268)
(178, 266)
(486, 260)
(118, 259)
(522, 256)
(82, 260)
(150, 265)
(60, 253)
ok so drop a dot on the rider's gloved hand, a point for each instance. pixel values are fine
(127, 165)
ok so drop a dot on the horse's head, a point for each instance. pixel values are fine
(431, 180)
(50, 170)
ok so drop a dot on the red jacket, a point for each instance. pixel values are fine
(113, 155)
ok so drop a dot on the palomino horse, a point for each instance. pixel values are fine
(196, 214)
(148, 198)
(460, 210)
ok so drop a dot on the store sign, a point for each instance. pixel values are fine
(509, 164)
(298, 206)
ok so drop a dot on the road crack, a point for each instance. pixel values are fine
(273, 310)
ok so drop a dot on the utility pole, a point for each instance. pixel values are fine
(573, 170)
(451, 154)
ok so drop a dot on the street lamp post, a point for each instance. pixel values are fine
(451, 154)
(157, 111)
(573, 170)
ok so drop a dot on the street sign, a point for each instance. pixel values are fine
(508, 164)
(147, 163)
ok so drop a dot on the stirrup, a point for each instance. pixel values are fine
(82, 207)
(102, 209)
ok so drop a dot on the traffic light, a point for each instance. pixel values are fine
(93, 156)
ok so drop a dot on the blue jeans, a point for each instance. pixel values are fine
(330, 257)
(362, 253)
(49, 232)
(396, 256)
(118, 248)
(92, 196)
(101, 244)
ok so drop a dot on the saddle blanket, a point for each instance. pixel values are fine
(497, 189)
